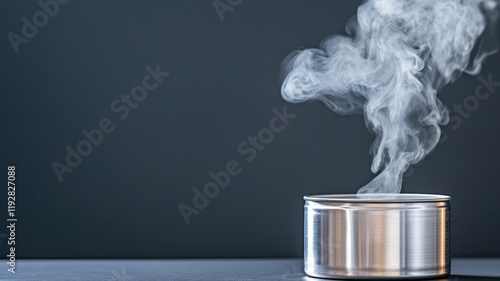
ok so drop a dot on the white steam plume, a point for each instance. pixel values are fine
(397, 55)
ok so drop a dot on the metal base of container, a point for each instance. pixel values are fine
(377, 236)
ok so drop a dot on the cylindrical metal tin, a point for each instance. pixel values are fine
(377, 236)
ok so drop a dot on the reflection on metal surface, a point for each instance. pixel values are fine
(397, 236)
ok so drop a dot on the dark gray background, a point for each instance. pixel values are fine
(122, 200)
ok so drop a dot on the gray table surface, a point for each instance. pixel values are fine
(207, 270)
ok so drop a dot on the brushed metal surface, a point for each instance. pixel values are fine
(377, 236)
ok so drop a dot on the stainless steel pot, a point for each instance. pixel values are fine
(377, 236)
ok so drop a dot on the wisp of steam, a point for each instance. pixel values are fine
(397, 55)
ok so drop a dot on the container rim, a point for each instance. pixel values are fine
(378, 198)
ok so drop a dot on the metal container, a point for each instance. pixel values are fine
(377, 236)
